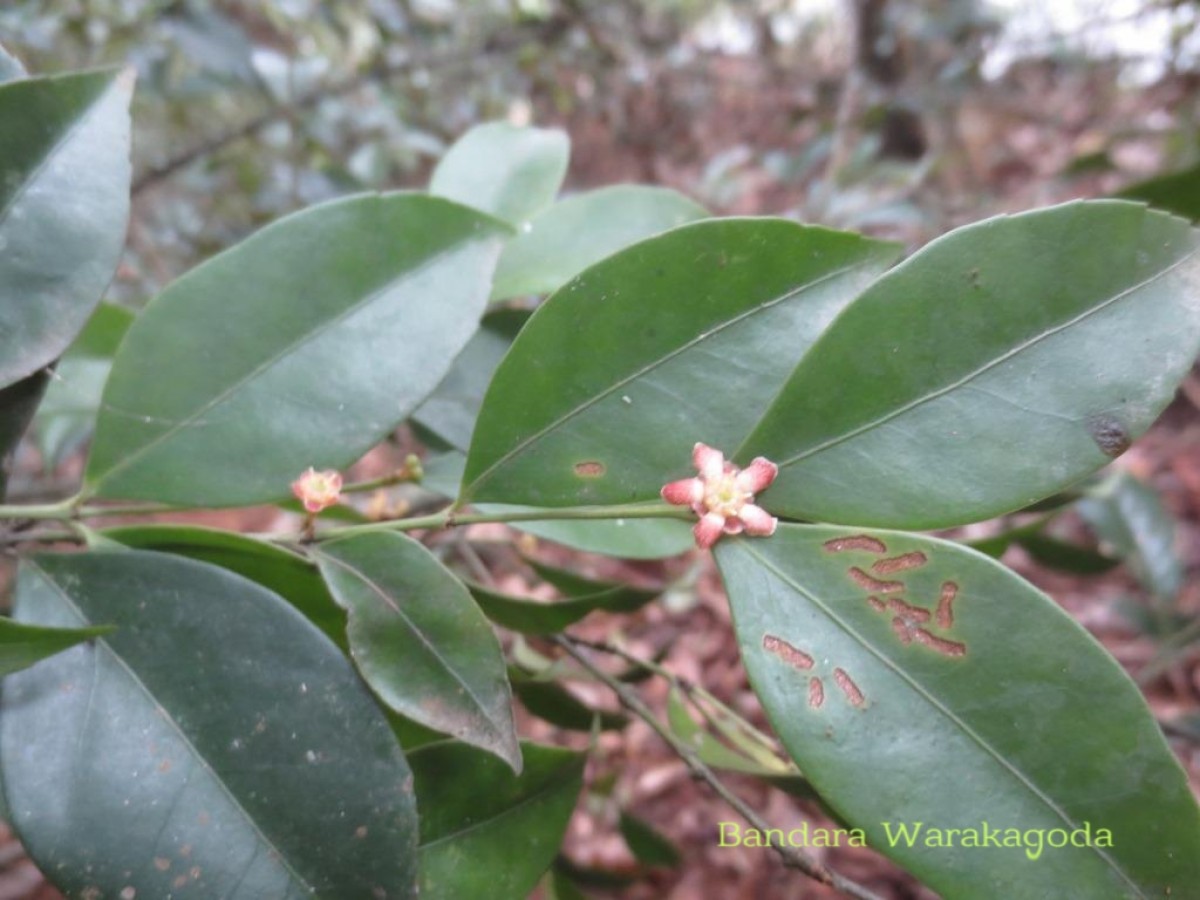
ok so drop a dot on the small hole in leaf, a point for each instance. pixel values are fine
(590, 468)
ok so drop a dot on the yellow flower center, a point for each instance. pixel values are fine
(721, 495)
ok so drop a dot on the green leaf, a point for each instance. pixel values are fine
(553, 703)
(970, 697)
(451, 410)
(67, 415)
(1065, 556)
(292, 577)
(64, 205)
(18, 404)
(304, 345)
(420, 641)
(578, 232)
(581, 597)
(23, 645)
(684, 337)
(215, 744)
(505, 170)
(1129, 515)
(1003, 362)
(486, 832)
(1046, 549)
(1177, 192)
(649, 846)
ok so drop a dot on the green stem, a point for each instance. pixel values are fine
(64, 509)
(448, 518)
(133, 509)
(692, 691)
(409, 473)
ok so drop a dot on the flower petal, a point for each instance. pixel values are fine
(709, 463)
(757, 520)
(757, 476)
(708, 529)
(686, 492)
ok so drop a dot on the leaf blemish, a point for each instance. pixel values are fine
(908, 611)
(945, 608)
(901, 563)
(816, 693)
(590, 468)
(939, 645)
(849, 688)
(856, 542)
(793, 656)
(874, 585)
(1109, 434)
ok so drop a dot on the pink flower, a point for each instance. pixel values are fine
(723, 496)
(317, 490)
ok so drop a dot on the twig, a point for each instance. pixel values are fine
(793, 857)
(379, 72)
(689, 688)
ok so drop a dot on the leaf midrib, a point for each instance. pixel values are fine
(284, 352)
(986, 367)
(170, 720)
(921, 691)
(524, 444)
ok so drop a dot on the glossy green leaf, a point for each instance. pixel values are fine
(451, 410)
(67, 414)
(1129, 516)
(506, 170)
(304, 345)
(292, 577)
(1176, 192)
(575, 233)
(550, 701)
(1050, 551)
(486, 832)
(214, 745)
(622, 538)
(1065, 556)
(649, 846)
(420, 641)
(18, 404)
(1003, 362)
(22, 645)
(64, 204)
(684, 337)
(916, 681)
(581, 596)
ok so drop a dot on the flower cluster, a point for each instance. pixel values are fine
(723, 496)
(317, 490)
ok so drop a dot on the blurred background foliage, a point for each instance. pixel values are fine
(898, 117)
